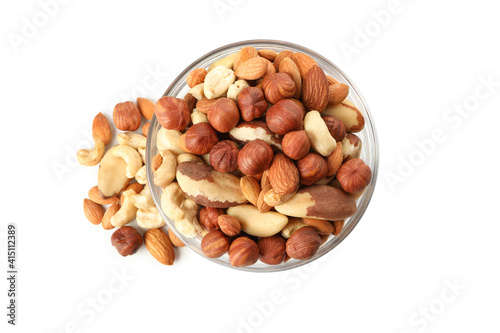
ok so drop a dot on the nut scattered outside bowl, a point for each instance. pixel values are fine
(126, 240)
(159, 245)
(127, 116)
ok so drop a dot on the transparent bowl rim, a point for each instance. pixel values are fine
(366, 196)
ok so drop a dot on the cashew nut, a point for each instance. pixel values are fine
(189, 225)
(171, 201)
(165, 174)
(294, 224)
(227, 61)
(198, 91)
(143, 200)
(140, 175)
(167, 140)
(131, 157)
(186, 157)
(149, 218)
(127, 212)
(217, 82)
(319, 135)
(142, 152)
(132, 139)
(91, 157)
(198, 117)
(235, 89)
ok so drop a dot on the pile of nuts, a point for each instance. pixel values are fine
(260, 159)
(121, 184)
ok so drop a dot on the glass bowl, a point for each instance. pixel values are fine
(368, 136)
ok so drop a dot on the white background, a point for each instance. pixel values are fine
(437, 226)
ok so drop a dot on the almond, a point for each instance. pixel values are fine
(160, 246)
(146, 107)
(101, 128)
(96, 197)
(106, 220)
(252, 69)
(315, 90)
(272, 198)
(323, 227)
(268, 54)
(282, 55)
(145, 129)
(334, 161)
(243, 55)
(196, 77)
(174, 239)
(93, 211)
(283, 175)
(331, 80)
(337, 92)
(250, 188)
(288, 66)
(338, 227)
(157, 161)
(261, 204)
(304, 63)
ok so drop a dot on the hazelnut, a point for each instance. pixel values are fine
(277, 87)
(126, 240)
(229, 225)
(284, 116)
(255, 157)
(272, 250)
(190, 101)
(214, 244)
(296, 144)
(172, 113)
(127, 116)
(354, 175)
(200, 138)
(204, 105)
(335, 127)
(351, 147)
(243, 252)
(312, 168)
(224, 156)
(208, 217)
(224, 115)
(252, 103)
(303, 244)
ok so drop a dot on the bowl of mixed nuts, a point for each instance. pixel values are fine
(262, 156)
